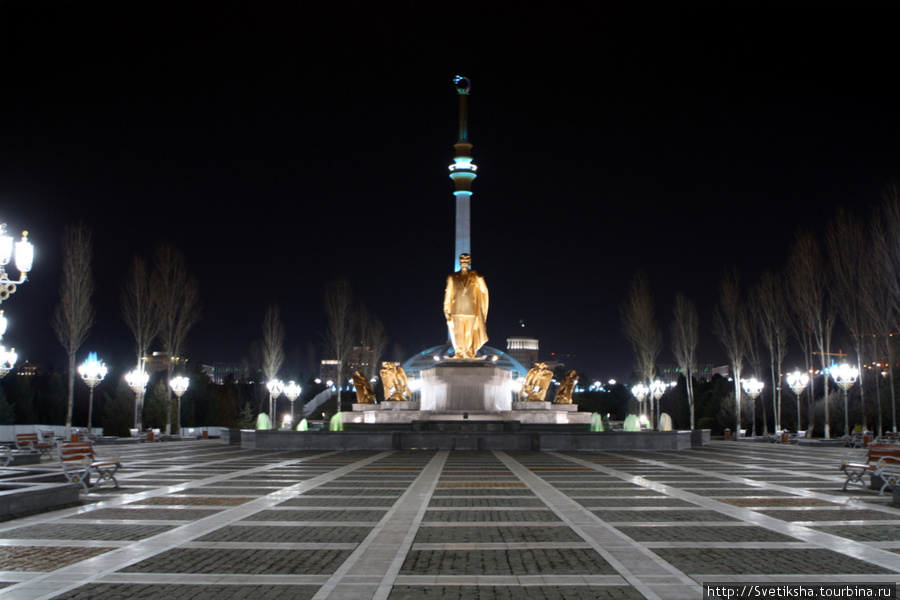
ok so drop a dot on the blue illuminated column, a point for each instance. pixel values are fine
(462, 172)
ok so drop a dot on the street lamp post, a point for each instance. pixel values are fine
(640, 392)
(657, 389)
(276, 386)
(797, 381)
(92, 371)
(7, 360)
(179, 386)
(137, 381)
(845, 376)
(292, 391)
(753, 388)
(24, 252)
(7, 357)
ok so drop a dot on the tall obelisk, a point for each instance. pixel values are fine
(462, 172)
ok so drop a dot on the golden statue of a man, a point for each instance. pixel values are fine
(364, 392)
(396, 385)
(466, 309)
(564, 393)
(536, 383)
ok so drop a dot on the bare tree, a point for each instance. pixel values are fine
(74, 315)
(371, 330)
(731, 327)
(850, 262)
(884, 303)
(685, 337)
(639, 327)
(767, 302)
(272, 342)
(272, 349)
(339, 337)
(138, 313)
(177, 302)
(812, 303)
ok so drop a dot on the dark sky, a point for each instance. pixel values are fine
(283, 144)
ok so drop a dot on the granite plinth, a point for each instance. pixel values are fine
(466, 385)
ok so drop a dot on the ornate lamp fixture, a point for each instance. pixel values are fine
(292, 391)
(92, 371)
(24, 253)
(179, 386)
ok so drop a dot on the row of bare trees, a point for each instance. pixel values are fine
(160, 305)
(849, 286)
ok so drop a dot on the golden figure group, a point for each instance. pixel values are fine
(393, 377)
(465, 309)
(536, 383)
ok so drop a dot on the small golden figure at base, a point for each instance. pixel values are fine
(536, 383)
(564, 393)
(393, 377)
(364, 392)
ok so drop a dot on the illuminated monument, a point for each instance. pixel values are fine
(464, 379)
(464, 395)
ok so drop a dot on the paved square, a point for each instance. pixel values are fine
(206, 520)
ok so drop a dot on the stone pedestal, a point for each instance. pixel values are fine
(466, 386)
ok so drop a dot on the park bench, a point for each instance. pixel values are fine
(887, 471)
(29, 442)
(79, 462)
(855, 469)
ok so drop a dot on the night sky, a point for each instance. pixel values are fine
(283, 144)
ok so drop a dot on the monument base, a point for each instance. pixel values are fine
(463, 385)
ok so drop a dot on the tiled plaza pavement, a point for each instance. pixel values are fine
(205, 520)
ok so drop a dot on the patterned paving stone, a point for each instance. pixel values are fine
(863, 533)
(575, 561)
(479, 484)
(661, 515)
(764, 502)
(731, 491)
(492, 534)
(443, 502)
(243, 562)
(600, 501)
(745, 561)
(321, 516)
(693, 533)
(215, 491)
(123, 591)
(73, 531)
(829, 515)
(613, 492)
(488, 516)
(366, 484)
(481, 491)
(43, 558)
(496, 592)
(325, 501)
(353, 492)
(146, 514)
(193, 501)
(285, 534)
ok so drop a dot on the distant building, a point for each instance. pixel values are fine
(159, 361)
(239, 372)
(524, 349)
(669, 373)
